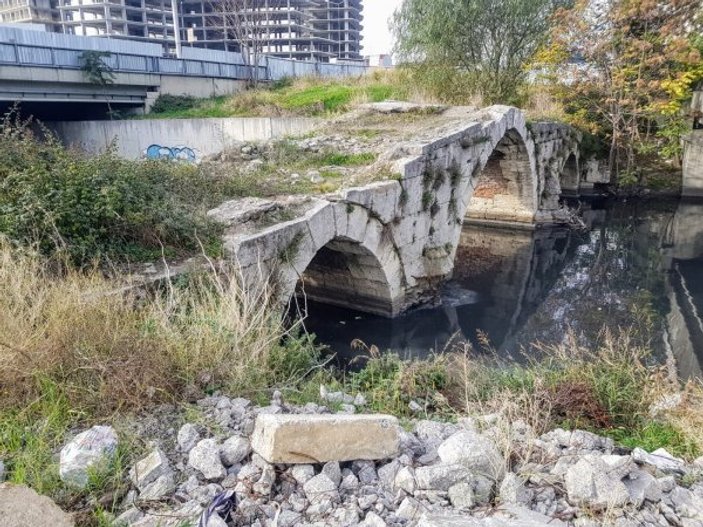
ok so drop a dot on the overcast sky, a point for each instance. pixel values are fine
(377, 36)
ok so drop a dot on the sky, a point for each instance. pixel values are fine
(377, 36)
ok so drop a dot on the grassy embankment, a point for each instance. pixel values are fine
(314, 97)
(72, 354)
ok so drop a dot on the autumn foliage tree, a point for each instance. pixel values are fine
(636, 64)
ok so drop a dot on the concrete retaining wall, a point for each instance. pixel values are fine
(203, 137)
(693, 164)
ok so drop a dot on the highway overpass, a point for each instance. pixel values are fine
(42, 71)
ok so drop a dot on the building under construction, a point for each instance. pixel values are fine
(317, 30)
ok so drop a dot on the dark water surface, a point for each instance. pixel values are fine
(639, 265)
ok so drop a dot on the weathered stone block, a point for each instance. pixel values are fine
(322, 438)
(22, 506)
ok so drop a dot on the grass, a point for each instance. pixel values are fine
(74, 352)
(286, 157)
(608, 390)
(114, 352)
(31, 435)
(311, 96)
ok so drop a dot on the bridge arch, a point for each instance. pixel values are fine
(570, 179)
(350, 263)
(504, 189)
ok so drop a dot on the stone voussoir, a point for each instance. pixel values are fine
(296, 439)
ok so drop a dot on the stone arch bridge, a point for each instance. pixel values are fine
(387, 246)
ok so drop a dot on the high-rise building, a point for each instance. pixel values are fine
(150, 20)
(318, 30)
(40, 12)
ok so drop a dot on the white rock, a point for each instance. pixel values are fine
(373, 520)
(302, 473)
(405, 480)
(320, 487)
(513, 490)
(205, 457)
(461, 496)
(332, 471)
(87, 450)
(265, 483)
(314, 176)
(687, 504)
(409, 509)
(359, 400)
(661, 460)
(320, 438)
(349, 482)
(591, 483)
(2, 471)
(475, 452)
(234, 450)
(642, 486)
(149, 469)
(188, 437)
(161, 487)
(512, 516)
(366, 502)
(440, 477)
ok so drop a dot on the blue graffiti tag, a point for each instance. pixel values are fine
(178, 153)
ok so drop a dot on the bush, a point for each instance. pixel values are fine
(88, 207)
(173, 103)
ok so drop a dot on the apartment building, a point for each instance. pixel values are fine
(318, 30)
(38, 12)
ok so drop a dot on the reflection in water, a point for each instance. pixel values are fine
(684, 287)
(638, 267)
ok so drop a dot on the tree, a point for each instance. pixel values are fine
(640, 61)
(97, 71)
(490, 40)
(244, 22)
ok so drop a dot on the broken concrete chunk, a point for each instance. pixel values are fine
(294, 439)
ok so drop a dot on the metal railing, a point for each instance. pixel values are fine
(63, 58)
(270, 68)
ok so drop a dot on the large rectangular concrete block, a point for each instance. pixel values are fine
(293, 439)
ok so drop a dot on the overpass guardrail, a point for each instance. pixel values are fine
(270, 68)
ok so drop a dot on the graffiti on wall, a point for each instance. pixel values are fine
(176, 153)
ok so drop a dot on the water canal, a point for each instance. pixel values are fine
(637, 265)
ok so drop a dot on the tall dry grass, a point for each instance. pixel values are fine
(108, 346)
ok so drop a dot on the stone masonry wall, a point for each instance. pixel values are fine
(388, 245)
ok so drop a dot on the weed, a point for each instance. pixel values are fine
(346, 160)
(434, 209)
(427, 200)
(118, 351)
(403, 199)
(454, 174)
(290, 252)
(99, 207)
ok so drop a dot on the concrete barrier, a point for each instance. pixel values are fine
(693, 164)
(192, 138)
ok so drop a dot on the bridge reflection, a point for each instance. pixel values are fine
(684, 286)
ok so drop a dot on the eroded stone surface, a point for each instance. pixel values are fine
(88, 449)
(321, 438)
(21, 506)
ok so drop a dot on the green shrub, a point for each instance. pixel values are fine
(173, 103)
(88, 207)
